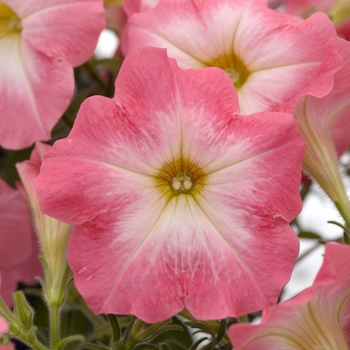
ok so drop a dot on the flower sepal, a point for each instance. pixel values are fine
(54, 293)
(24, 312)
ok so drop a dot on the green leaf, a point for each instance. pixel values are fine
(309, 235)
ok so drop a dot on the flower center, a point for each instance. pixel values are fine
(180, 177)
(182, 182)
(9, 21)
(233, 66)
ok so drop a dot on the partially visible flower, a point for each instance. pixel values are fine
(37, 56)
(18, 249)
(4, 327)
(176, 200)
(115, 15)
(323, 114)
(134, 6)
(305, 8)
(318, 318)
(269, 56)
(344, 30)
(24, 272)
(53, 234)
(15, 226)
(337, 10)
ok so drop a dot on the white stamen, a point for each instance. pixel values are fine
(187, 183)
(176, 183)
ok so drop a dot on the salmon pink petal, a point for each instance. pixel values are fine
(344, 30)
(48, 28)
(15, 227)
(303, 7)
(31, 117)
(318, 318)
(131, 6)
(334, 266)
(38, 53)
(171, 195)
(323, 113)
(4, 327)
(269, 62)
(24, 272)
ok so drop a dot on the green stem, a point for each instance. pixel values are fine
(55, 296)
(344, 213)
(55, 325)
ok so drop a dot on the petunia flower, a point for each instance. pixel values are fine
(318, 318)
(38, 53)
(304, 8)
(344, 30)
(134, 6)
(4, 327)
(337, 10)
(115, 15)
(18, 262)
(15, 227)
(177, 201)
(323, 113)
(269, 56)
(52, 234)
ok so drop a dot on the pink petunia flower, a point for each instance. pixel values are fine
(15, 226)
(337, 10)
(134, 6)
(269, 56)
(38, 51)
(177, 201)
(306, 7)
(18, 262)
(344, 30)
(318, 318)
(4, 327)
(115, 15)
(323, 114)
(52, 234)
